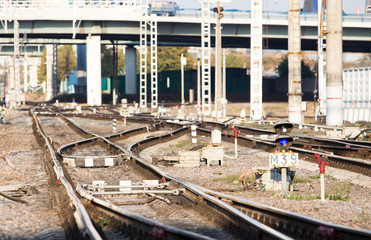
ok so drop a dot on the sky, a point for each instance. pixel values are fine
(349, 6)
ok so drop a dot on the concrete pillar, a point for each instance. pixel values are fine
(294, 60)
(256, 63)
(334, 72)
(93, 67)
(49, 72)
(131, 86)
(321, 62)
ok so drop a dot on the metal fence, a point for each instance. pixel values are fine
(66, 3)
(357, 94)
(181, 12)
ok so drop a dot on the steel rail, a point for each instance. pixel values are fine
(174, 232)
(126, 133)
(350, 164)
(147, 142)
(295, 225)
(336, 142)
(239, 218)
(81, 215)
(142, 223)
(257, 131)
(347, 163)
(256, 228)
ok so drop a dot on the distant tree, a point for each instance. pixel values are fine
(283, 68)
(107, 61)
(235, 60)
(41, 74)
(168, 58)
(66, 62)
(364, 61)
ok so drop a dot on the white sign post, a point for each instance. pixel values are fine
(283, 160)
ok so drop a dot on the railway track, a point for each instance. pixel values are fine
(348, 155)
(206, 217)
(282, 223)
(293, 225)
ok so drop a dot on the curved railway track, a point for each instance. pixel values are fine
(206, 217)
(194, 196)
(337, 152)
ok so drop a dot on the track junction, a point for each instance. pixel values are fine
(115, 190)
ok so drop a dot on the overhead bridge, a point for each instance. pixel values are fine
(71, 21)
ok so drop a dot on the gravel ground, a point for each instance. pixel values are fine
(21, 164)
(100, 126)
(353, 210)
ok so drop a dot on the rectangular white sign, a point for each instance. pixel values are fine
(283, 160)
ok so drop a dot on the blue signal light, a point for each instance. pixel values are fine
(283, 142)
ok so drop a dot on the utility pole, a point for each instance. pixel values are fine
(294, 58)
(334, 68)
(321, 62)
(256, 65)
(218, 56)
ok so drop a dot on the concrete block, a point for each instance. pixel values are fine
(271, 178)
(108, 162)
(334, 134)
(351, 132)
(69, 161)
(216, 137)
(151, 183)
(189, 154)
(189, 159)
(213, 154)
(89, 162)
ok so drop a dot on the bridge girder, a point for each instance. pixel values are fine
(355, 39)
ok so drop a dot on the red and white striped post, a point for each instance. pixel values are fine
(235, 131)
(321, 165)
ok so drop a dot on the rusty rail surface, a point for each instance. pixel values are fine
(87, 228)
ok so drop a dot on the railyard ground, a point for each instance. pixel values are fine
(21, 164)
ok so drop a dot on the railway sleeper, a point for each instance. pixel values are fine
(94, 161)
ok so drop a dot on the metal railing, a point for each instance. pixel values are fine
(181, 12)
(67, 3)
